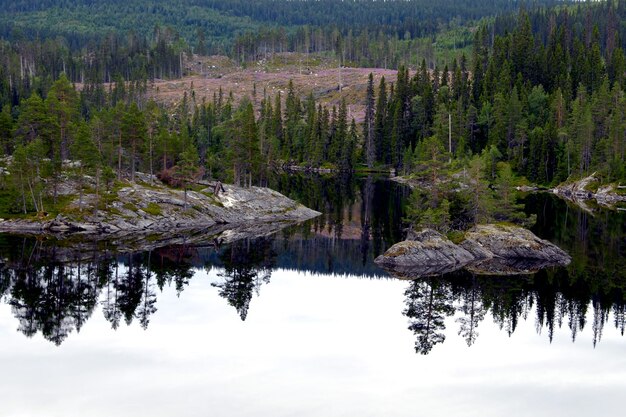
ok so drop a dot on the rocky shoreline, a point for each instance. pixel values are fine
(578, 192)
(155, 209)
(585, 189)
(486, 249)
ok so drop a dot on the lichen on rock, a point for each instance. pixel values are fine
(489, 249)
(136, 207)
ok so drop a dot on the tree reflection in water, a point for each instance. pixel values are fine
(472, 311)
(246, 268)
(428, 303)
(53, 290)
(555, 301)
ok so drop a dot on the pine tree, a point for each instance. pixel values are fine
(277, 126)
(380, 123)
(6, 129)
(348, 151)
(133, 133)
(34, 122)
(84, 150)
(368, 124)
(395, 154)
(62, 104)
(340, 133)
(188, 170)
(28, 167)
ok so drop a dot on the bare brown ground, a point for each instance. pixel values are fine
(322, 77)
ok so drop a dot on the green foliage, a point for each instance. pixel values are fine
(430, 159)
(365, 32)
(542, 119)
(153, 209)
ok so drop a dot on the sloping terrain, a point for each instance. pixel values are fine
(328, 82)
(142, 208)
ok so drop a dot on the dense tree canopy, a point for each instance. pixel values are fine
(547, 104)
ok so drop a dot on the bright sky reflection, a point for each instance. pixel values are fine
(312, 345)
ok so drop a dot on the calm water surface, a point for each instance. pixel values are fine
(302, 323)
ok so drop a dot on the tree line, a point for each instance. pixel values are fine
(547, 109)
(28, 66)
(114, 132)
(550, 112)
(222, 21)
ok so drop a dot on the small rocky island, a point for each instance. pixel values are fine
(152, 208)
(492, 249)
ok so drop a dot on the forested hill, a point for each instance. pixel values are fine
(214, 24)
(547, 24)
(544, 103)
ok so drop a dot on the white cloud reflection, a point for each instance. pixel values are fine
(311, 346)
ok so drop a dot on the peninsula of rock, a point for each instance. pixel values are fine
(152, 208)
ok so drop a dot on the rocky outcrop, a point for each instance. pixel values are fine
(528, 188)
(513, 242)
(486, 249)
(427, 250)
(145, 208)
(581, 191)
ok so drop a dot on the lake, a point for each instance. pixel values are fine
(303, 323)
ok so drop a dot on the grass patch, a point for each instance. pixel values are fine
(456, 236)
(113, 211)
(153, 208)
(396, 250)
(149, 186)
(592, 186)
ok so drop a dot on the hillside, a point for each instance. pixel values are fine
(320, 76)
(222, 21)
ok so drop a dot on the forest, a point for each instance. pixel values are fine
(540, 96)
(222, 21)
(361, 32)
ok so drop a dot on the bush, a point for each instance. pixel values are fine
(169, 177)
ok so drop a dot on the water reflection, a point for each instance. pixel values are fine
(53, 290)
(550, 295)
(428, 303)
(246, 268)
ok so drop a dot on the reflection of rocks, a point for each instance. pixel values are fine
(579, 192)
(82, 247)
(420, 271)
(502, 266)
(487, 249)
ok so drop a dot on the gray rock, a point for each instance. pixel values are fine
(527, 188)
(579, 192)
(512, 242)
(427, 248)
(476, 249)
(155, 208)
(487, 249)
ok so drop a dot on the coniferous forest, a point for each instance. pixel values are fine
(312, 207)
(539, 95)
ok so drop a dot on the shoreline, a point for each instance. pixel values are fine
(156, 209)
